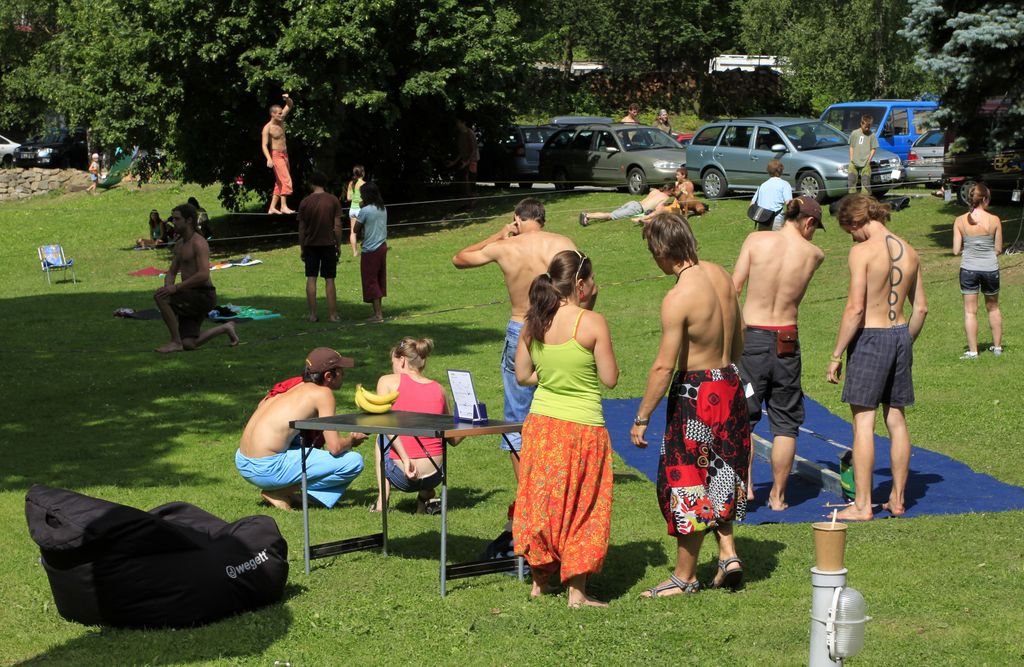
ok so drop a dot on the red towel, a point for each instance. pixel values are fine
(148, 271)
(313, 438)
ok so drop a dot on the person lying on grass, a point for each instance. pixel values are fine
(675, 198)
(268, 454)
(413, 464)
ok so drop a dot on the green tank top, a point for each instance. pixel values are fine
(568, 387)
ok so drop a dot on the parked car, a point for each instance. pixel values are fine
(898, 122)
(7, 149)
(513, 154)
(734, 154)
(626, 155)
(57, 149)
(1002, 171)
(580, 120)
(924, 161)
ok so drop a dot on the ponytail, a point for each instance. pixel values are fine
(548, 289)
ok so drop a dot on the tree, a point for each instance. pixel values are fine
(376, 81)
(976, 49)
(25, 26)
(836, 50)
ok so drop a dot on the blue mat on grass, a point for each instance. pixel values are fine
(937, 483)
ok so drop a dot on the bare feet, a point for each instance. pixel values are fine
(545, 589)
(274, 211)
(334, 318)
(229, 328)
(314, 318)
(585, 601)
(851, 513)
(376, 319)
(894, 508)
(286, 210)
(170, 347)
(776, 504)
(280, 498)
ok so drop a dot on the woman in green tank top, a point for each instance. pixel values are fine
(564, 500)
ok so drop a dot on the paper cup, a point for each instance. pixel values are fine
(829, 545)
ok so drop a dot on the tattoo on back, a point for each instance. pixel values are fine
(894, 248)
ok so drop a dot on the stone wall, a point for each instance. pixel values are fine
(23, 183)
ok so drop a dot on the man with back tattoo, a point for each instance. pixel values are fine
(878, 338)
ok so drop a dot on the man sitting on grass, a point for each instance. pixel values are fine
(268, 455)
(675, 198)
(185, 305)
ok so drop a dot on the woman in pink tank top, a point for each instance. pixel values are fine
(413, 464)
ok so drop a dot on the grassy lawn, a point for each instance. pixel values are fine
(89, 406)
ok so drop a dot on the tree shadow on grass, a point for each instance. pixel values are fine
(90, 403)
(246, 635)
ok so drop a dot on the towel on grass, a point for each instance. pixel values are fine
(245, 261)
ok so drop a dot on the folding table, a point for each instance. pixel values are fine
(390, 425)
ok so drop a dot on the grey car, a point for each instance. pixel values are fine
(622, 154)
(734, 155)
(924, 162)
(7, 149)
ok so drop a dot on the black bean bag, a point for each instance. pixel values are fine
(174, 566)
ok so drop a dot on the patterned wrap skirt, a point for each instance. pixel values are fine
(563, 506)
(702, 473)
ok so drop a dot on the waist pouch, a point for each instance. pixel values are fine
(785, 344)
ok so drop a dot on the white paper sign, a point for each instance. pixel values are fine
(463, 394)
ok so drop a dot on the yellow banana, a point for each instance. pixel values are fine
(366, 406)
(380, 399)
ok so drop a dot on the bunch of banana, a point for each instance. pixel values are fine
(367, 401)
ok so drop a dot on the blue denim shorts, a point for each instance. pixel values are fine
(971, 282)
(393, 471)
(517, 398)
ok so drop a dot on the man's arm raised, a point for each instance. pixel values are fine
(482, 253)
(289, 105)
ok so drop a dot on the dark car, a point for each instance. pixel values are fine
(512, 154)
(630, 156)
(1002, 171)
(61, 148)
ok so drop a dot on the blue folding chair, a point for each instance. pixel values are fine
(51, 258)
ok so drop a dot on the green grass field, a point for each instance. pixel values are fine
(89, 406)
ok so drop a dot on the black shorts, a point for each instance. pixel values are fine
(971, 282)
(775, 381)
(320, 260)
(879, 365)
(192, 305)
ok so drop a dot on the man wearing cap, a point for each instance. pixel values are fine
(777, 267)
(268, 455)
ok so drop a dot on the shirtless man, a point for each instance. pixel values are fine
(522, 250)
(669, 199)
(885, 272)
(268, 455)
(703, 465)
(185, 305)
(277, 154)
(779, 266)
(631, 115)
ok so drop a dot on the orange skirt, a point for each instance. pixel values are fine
(564, 503)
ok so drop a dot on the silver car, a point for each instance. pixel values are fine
(924, 162)
(627, 155)
(734, 155)
(7, 148)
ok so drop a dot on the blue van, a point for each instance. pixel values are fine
(898, 122)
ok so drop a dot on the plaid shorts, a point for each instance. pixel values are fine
(879, 364)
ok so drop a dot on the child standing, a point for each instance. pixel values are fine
(94, 172)
(354, 198)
